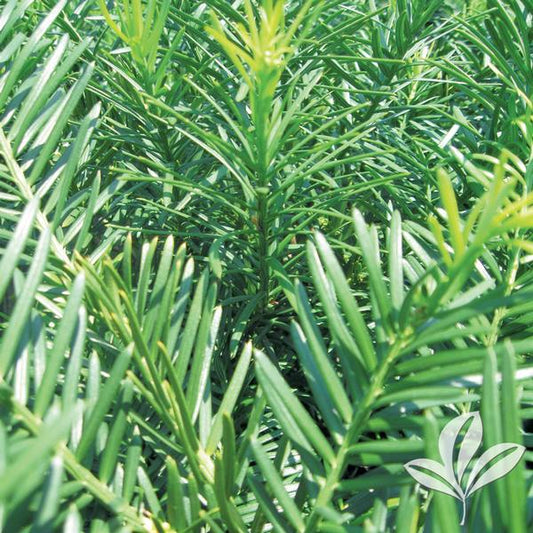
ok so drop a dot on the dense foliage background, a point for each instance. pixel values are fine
(256, 254)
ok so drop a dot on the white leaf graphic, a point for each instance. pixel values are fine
(469, 446)
(428, 480)
(495, 463)
(497, 470)
(447, 442)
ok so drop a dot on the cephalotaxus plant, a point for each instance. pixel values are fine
(372, 358)
(260, 53)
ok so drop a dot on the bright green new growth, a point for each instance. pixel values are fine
(255, 256)
(140, 29)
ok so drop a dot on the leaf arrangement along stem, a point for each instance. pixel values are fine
(261, 56)
(261, 114)
(265, 266)
(353, 434)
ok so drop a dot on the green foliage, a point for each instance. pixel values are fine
(350, 185)
(140, 31)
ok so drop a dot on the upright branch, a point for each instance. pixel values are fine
(260, 53)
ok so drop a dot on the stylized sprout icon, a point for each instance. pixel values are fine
(450, 476)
